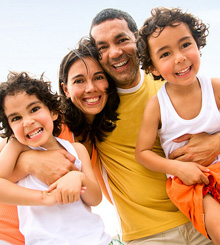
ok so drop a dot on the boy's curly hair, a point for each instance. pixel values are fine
(22, 82)
(160, 18)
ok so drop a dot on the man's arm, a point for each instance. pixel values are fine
(202, 148)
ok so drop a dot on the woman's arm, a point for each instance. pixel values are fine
(11, 193)
(83, 183)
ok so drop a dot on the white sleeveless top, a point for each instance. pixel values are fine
(67, 224)
(174, 126)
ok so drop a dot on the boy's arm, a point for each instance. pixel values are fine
(202, 148)
(188, 172)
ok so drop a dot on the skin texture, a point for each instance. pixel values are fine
(116, 44)
(86, 86)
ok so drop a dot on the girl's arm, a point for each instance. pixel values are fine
(188, 172)
(83, 183)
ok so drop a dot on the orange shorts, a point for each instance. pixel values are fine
(189, 199)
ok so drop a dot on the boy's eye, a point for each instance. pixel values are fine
(185, 45)
(34, 109)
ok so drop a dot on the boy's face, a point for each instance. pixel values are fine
(30, 120)
(117, 46)
(175, 55)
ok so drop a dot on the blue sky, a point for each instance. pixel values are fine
(36, 34)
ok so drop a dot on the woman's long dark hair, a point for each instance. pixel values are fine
(75, 119)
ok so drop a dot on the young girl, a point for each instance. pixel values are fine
(30, 118)
(169, 44)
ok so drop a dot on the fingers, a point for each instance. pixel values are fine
(204, 179)
(182, 138)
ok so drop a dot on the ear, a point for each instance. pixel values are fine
(154, 71)
(65, 90)
(54, 115)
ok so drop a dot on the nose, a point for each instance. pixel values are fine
(179, 57)
(27, 121)
(115, 52)
(90, 87)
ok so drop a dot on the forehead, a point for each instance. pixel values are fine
(110, 29)
(85, 65)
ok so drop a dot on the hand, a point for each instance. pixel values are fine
(192, 173)
(49, 198)
(47, 166)
(69, 187)
(202, 148)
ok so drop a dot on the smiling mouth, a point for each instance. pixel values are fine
(183, 72)
(34, 133)
(120, 64)
(92, 100)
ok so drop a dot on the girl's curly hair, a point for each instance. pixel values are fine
(74, 118)
(22, 82)
(160, 18)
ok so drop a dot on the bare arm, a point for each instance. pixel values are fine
(189, 173)
(47, 166)
(11, 193)
(202, 148)
(70, 186)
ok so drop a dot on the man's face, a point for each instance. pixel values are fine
(117, 47)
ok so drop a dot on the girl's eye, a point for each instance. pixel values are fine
(14, 119)
(164, 55)
(34, 109)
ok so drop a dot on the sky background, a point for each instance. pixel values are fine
(36, 34)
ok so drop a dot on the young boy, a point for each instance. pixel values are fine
(169, 44)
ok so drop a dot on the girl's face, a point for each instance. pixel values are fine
(175, 55)
(30, 120)
(86, 86)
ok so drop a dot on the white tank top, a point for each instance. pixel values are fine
(61, 224)
(174, 126)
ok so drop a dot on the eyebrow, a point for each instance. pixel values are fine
(164, 47)
(119, 35)
(81, 75)
(28, 106)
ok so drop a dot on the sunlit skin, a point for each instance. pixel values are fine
(175, 55)
(30, 120)
(116, 44)
(86, 86)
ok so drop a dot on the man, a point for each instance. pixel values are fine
(147, 215)
(138, 193)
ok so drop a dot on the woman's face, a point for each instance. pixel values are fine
(86, 86)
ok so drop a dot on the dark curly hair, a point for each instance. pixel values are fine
(74, 118)
(22, 82)
(160, 18)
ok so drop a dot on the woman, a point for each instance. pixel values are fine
(87, 119)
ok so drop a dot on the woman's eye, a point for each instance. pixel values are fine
(78, 81)
(99, 77)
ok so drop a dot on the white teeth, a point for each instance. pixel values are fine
(183, 72)
(35, 133)
(92, 100)
(120, 64)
